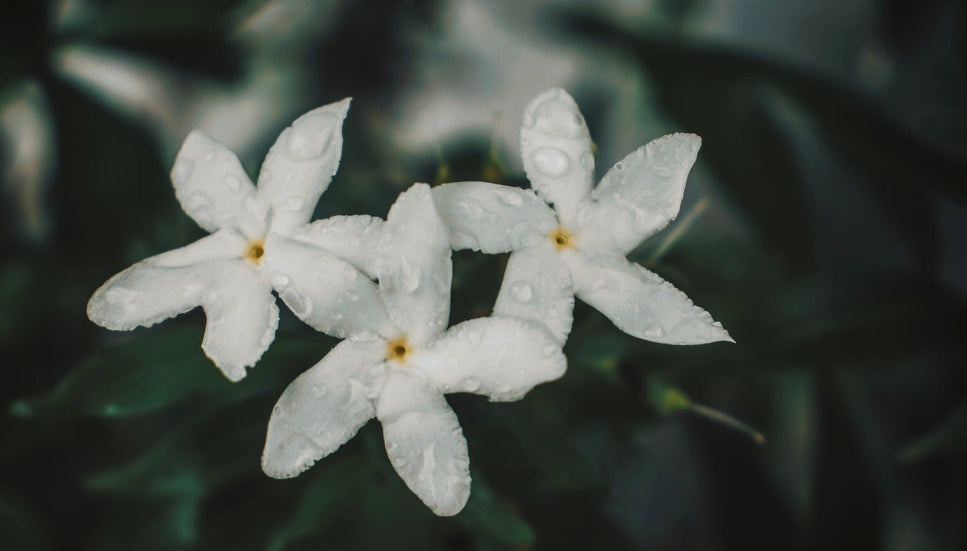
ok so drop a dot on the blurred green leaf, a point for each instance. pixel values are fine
(494, 524)
(146, 373)
(948, 437)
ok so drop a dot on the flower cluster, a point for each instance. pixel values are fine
(384, 286)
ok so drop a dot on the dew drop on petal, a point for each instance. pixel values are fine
(410, 280)
(551, 161)
(309, 137)
(350, 273)
(470, 384)
(280, 280)
(399, 461)
(510, 198)
(210, 155)
(293, 204)
(587, 160)
(521, 291)
(232, 182)
(300, 305)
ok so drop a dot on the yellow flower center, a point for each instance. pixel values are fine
(561, 238)
(398, 349)
(255, 251)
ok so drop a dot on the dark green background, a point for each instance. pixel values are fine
(833, 249)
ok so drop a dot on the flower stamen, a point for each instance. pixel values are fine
(561, 238)
(398, 349)
(255, 251)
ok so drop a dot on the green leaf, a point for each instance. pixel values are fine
(493, 523)
(146, 373)
(948, 437)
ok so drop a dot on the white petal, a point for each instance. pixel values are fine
(639, 196)
(329, 294)
(164, 285)
(640, 303)
(415, 274)
(424, 442)
(537, 287)
(241, 319)
(352, 238)
(502, 358)
(492, 218)
(323, 408)
(214, 189)
(301, 163)
(556, 149)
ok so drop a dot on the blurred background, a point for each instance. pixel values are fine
(824, 225)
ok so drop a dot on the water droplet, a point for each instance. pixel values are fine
(300, 305)
(549, 350)
(352, 297)
(232, 182)
(471, 384)
(410, 276)
(619, 167)
(558, 117)
(309, 137)
(521, 291)
(281, 280)
(510, 198)
(318, 390)
(293, 204)
(350, 273)
(399, 461)
(391, 445)
(210, 154)
(551, 161)
(504, 389)
(587, 160)
(598, 284)
(277, 411)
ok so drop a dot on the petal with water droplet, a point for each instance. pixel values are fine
(301, 164)
(556, 150)
(424, 442)
(313, 284)
(323, 408)
(415, 271)
(354, 239)
(492, 218)
(640, 303)
(214, 189)
(537, 288)
(241, 320)
(639, 198)
(163, 285)
(502, 358)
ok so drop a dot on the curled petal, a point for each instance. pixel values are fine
(492, 218)
(640, 303)
(556, 149)
(301, 163)
(352, 238)
(164, 285)
(327, 293)
(502, 358)
(323, 408)
(214, 189)
(537, 287)
(241, 320)
(640, 195)
(415, 273)
(424, 442)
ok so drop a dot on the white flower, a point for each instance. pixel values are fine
(259, 242)
(579, 247)
(401, 376)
